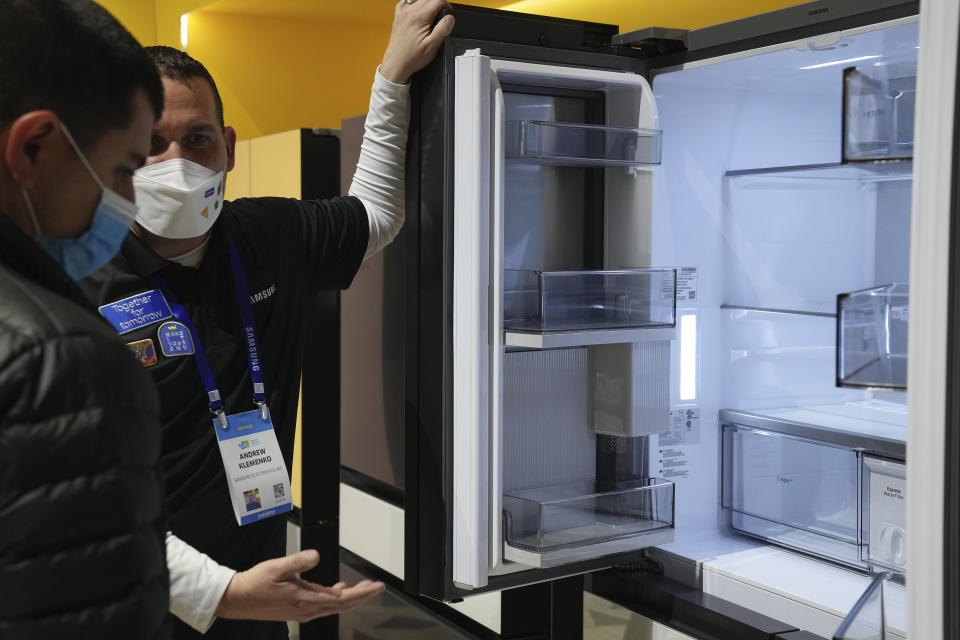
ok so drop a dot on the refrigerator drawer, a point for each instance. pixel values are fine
(885, 518)
(794, 492)
(583, 300)
(557, 525)
(566, 143)
(872, 327)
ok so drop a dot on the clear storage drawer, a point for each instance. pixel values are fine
(580, 300)
(879, 105)
(573, 521)
(872, 327)
(794, 492)
(566, 143)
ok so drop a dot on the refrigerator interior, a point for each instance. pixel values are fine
(752, 194)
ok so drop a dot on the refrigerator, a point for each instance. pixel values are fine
(651, 307)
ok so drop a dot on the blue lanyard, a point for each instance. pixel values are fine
(249, 337)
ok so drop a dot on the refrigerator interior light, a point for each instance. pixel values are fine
(835, 62)
(688, 356)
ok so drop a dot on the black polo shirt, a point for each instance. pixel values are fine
(290, 249)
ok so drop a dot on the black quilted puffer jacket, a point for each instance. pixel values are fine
(81, 506)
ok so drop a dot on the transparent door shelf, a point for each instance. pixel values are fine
(566, 143)
(548, 301)
(872, 171)
(565, 523)
(879, 102)
(872, 329)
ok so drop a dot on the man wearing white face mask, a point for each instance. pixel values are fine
(228, 285)
(81, 502)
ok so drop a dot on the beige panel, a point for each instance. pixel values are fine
(372, 529)
(296, 473)
(275, 165)
(238, 180)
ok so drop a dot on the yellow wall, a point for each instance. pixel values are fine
(168, 14)
(153, 21)
(280, 74)
(138, 16)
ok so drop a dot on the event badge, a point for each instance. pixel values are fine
(144, 351)
(175, 339)
(256, 474)
(136, 311)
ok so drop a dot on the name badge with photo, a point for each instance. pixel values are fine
(256, 474)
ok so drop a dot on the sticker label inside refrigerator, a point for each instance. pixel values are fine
(673, 464)
(687, 285)
(684, 427)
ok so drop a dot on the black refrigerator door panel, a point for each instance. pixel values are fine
(428, 232)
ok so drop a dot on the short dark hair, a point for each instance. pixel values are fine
(72, 57)
(174, 64)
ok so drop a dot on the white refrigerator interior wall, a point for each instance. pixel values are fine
(772, 250)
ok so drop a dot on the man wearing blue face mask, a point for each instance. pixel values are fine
(82, 517)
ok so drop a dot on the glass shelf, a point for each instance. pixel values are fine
(873, 425)
(548, 301)
(872, 327)
(813, 310)
(559, 524)
(866, 171)
(563, 143)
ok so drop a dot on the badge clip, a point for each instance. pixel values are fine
(264, 411)
(221, 417)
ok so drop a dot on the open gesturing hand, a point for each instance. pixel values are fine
(274, 590)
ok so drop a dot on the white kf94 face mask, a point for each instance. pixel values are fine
(178, 198)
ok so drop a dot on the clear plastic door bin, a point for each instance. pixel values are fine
(573, 521)
(580, 300)
(879, 105)
(872, 327)
(574, 144)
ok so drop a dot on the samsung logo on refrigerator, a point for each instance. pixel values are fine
(818, 12)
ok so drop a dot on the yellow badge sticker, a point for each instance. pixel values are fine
(144, 351)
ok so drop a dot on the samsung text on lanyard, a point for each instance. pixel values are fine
(256, 474)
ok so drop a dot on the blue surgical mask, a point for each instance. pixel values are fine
(83, 255)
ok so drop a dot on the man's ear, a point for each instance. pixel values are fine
(230, 136)
(29, 144)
